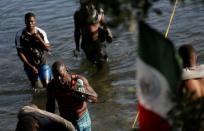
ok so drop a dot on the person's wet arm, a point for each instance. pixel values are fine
(89, 90)
(77, 33)
(108, 31)
(43, 43)
(25, 61)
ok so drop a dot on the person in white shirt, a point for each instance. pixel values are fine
(32, 46)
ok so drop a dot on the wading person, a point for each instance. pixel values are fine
(193, 74)
(32, 46)
(91, 32)
(71, 91)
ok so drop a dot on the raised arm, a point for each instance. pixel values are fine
(89, 90)
(43, 41)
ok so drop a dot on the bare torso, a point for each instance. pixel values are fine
(196, 86)
(90, 32)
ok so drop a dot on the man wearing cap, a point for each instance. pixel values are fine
(91, 30)
(71, 91)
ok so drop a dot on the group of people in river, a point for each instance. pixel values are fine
(71, 91)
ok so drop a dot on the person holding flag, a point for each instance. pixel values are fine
(158, 75)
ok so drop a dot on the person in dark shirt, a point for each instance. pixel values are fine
(32, 46)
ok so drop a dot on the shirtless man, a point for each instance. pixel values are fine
(193, 79)
(66, 89)
(91, 30)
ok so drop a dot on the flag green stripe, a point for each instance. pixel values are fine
(159, 53)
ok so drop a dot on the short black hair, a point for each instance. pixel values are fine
(185, 52)
(28, 15)
(56, 67)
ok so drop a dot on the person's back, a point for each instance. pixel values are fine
(31, 118)
(196, 86)
(193, 76)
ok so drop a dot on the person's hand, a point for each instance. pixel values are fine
(37, 36)
(109, 39)
(80, 85)
(35, 70)
(81, 89)
(76, 52)
(48, 47)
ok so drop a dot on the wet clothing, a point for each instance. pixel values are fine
(84, 123)
(71, 107)
(95, 50)
(34, 53)
(44, 70)
(93, 43)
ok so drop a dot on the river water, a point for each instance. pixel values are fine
(115, 83)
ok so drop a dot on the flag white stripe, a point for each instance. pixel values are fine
(152, 89)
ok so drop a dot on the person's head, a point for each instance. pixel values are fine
(30, 20)
(27, 123)
(59, 71)
(89, 12)
(188, 55)
(86, 7)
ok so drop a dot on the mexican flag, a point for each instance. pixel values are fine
(158, 75)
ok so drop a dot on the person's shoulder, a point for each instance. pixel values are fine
(40, 30)
(19, 32)
(77, 14)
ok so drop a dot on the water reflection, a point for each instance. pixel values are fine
(115, 83)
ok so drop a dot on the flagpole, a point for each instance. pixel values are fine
(166, 34)
(135, 119)
(171, 19)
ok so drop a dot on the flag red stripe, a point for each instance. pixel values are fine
(149, 121)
